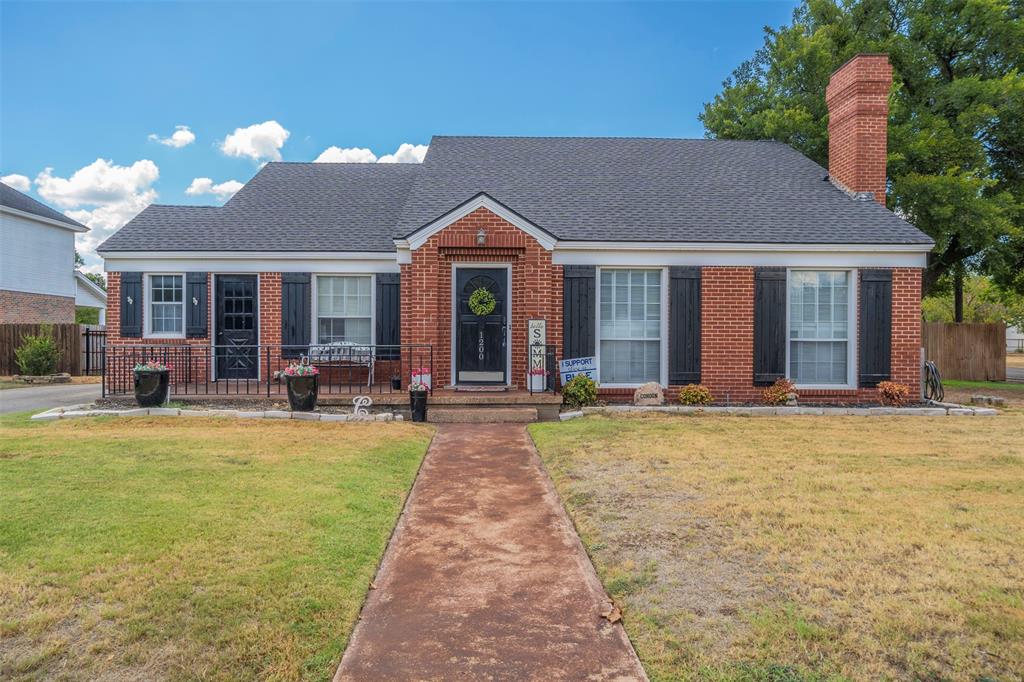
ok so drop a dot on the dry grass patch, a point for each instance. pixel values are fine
(805, 548)
(1015, 360)
(148, 548)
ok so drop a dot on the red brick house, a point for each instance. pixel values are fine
(729, 263)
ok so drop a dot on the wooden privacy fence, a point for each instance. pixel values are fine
(67, 337)
(974, 352)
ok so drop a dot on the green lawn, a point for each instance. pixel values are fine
(148, 548)
(804, 548)
(982, 385)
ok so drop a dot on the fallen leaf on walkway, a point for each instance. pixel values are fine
(611, 612)
(373, 585)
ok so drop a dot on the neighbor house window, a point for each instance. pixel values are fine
(630, 328)
(819, 326)
(166, 305)
(343, 306)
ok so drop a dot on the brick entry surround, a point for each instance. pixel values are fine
(427, 288)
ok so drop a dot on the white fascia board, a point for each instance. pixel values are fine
(750, 255)
(237, 261)
(420, 236)
(42, 219)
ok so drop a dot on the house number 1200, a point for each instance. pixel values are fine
(480, 345)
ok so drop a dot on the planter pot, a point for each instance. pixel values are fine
(151, 387)
(396, 383)
(418, 405)
(538, 383)
(302, 392)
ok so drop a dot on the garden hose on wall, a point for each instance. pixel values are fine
(933, 383)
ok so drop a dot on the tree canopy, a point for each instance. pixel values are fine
(956, 119)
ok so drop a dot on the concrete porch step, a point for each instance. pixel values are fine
(481, 415)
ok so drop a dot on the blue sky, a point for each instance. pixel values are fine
(87, 86)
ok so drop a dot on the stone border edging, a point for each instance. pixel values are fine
(936, 410)
(84, 410)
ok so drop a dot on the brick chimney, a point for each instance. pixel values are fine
(858, 111)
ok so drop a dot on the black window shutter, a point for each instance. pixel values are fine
(295, 313)
(579, 311)
(131, 304)
(769, 325)
(196, 304)
(684, 325)
(875, 326)
(389, 315)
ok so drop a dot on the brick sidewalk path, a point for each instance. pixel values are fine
(485, 577)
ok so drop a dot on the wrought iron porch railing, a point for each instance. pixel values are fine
(345, 368)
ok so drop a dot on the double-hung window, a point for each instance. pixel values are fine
(343, 308)
(819, 326)
(166, 305)
(630, 328)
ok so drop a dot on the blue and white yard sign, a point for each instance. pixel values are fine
(570, 368)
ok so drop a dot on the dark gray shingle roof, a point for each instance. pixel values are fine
(648, 189)
(588, 189)
(12, 198)
(285, 207)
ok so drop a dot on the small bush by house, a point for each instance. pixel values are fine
(38, 355)
(892, 393)
(581, 391)
(779, 392)
(695, 394)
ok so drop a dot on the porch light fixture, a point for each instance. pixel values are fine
(481, 237)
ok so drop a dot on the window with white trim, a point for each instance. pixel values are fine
(819, 326)
(630, 328)
(166, 305)
(343, 308)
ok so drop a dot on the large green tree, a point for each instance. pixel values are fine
(956, 122)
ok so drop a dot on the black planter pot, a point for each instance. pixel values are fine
(396, 383)
(302, 391)
(151, 387)
(418, 405)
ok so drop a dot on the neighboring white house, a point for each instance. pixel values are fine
(88, 294)
(37, 261)
(1014, 340)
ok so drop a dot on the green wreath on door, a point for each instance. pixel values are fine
(482, 302)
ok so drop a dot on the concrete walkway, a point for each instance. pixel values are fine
(39, 398)
(485, 578)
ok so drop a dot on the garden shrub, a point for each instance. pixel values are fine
(581, 391)
(38, 355)
(695, 394)
(892, 393)
(778, 393)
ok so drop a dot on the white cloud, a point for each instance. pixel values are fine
(102, 195)
(18, 182)
(223, 190)
(181, 137)
(406, 153)
(257, 142)
(348, 155)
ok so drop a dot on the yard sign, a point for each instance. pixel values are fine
(570, 368)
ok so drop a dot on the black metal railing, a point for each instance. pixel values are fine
(93, 343)
(355, 369)
(541, 368)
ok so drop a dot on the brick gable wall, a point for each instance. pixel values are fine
(427, 288)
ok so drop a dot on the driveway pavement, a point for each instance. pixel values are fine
(1015, 374)
(41, 398)
(485, 578)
